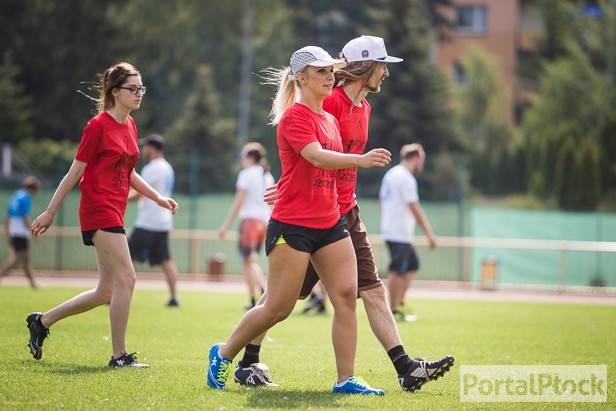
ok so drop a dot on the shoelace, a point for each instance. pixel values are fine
(223, 372)
(359, 381)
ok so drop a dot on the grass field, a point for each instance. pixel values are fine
(73, 373)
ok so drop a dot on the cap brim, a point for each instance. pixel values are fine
(326, 63)
(389, 59)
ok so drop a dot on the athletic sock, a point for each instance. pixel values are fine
(400, 359)
(251, 355)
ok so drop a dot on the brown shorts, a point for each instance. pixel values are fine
(367, 272)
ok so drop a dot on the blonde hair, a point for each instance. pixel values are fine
(287, 91)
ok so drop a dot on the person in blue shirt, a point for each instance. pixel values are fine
(17, 228)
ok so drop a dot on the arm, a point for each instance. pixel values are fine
(321, 158)
(421, 218)
(240, 196)
(44, 221)
(146, 190)
(271, 195)
(134, 195)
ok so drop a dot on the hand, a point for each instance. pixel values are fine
(379, 157)
(42, 223)
(168, 203)
(431, 242)
(222, 233)
(271, 194)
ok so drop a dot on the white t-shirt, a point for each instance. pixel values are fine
(398, 191)
(254, 181)
(150, 216)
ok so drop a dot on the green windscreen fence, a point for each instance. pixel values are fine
(540, 266)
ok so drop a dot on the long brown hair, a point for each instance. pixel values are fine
(112, 78)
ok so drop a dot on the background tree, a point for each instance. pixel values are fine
(15, 114)
(203, 130)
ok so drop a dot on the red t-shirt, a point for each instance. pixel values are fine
(306, 194)
(354, 134)
(111, 152)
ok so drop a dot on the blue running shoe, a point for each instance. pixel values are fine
(218, 368)
(355, 385)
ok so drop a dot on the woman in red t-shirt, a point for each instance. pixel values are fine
(104, 166)
(305, 223)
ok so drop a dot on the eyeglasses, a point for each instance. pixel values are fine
(135, 89)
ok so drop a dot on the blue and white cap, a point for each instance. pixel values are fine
(312, 56)
(367, 48)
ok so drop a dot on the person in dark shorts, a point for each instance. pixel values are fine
(17, 228)
(150, 238)
(305, 223)
(400, 211)
(366, 69)
(104, 167)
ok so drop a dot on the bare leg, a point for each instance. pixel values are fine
(405, 285)
(85, 301)
(395, 289)
(171, 274)
(112, 251)
(24, 256)
(254, 276)
(10, 262)
(287, 268)
(337, 267)
(381, 320)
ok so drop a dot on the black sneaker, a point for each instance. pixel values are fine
(255, 375)
(422, 371)
(38, 333)
(127, 360)
(173, 302)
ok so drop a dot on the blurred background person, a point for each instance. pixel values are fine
(150, 238)
(400, 211)
(253, 213)
(17, 228)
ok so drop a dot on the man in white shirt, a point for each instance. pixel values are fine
(400, 211)
(150, 238)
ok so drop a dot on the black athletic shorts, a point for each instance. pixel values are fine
(367, 272)
(19, 243)
(403, 258)
(152, 246)
(308, 240)
(88, 235)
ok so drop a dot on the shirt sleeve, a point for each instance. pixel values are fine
(242, 182)
(298, 131)
(410, 191)
(25, 203)
(90, 143)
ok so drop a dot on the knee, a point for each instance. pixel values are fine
(127, 281)
(275, 315)
(347, 296)
(373, 295)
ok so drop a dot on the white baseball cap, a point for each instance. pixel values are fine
(367, 48)
(312, 56)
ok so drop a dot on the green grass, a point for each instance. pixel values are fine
(73, 372)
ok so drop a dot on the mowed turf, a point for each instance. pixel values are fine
(73, 372)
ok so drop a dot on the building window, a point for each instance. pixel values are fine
(472, 19)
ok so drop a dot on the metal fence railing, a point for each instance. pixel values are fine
(491, 262)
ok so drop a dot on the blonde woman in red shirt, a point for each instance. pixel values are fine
(305, 223)
(104, 166)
